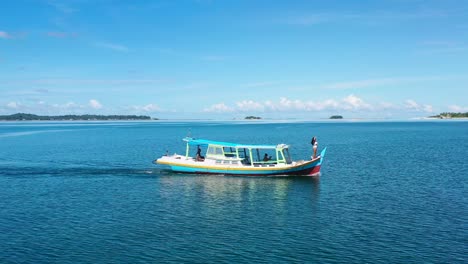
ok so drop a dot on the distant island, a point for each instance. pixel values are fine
(32, 117)
(336, 117)
(252, 117)
(448, 115)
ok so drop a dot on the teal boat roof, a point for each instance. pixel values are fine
(193, 141)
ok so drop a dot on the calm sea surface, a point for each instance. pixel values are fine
(390, 192)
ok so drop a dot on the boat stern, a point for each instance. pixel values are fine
(168, 160)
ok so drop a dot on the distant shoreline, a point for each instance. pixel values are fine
(451, 118)
(450, 115)
(239, 121)
(20, 117)
(33, 117)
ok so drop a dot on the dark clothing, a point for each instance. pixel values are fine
(199, 156)
(313, 140)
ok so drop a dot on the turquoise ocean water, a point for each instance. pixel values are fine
(390, 192)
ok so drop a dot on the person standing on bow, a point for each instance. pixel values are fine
(314, 143)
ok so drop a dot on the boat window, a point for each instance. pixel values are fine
(215, 150)
(287, 156)
(219, 151)
(265, 156)
(229, 152)
(244, 155)
(210, 151)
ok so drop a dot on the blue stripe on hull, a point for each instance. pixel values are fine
(222, 171)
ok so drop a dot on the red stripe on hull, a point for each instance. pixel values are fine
(307, 172)
(315, 171)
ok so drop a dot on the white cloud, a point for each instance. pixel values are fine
(93, 103)
(385, 106)
(61, 6)
(42, 107)
(151, 108)
(146, 108)
(83, 81)
(308, 20)
(328, 104)
(285, 104)
(218, 108)
(62, 108)
(381, 82)
(442, 46)
(69, 105)
(361, 83)
(250, 105)
(4, 35)
(370, 18)
(443, 43)
(352, 102)
(60, 34)
(13, 105)
(259, 84)
(212, 58)
(349, 103)
(428, 108)
(189, 55)
(320, 18)
(112, 46)
(449, 50)
(413, 106)
(456, 108)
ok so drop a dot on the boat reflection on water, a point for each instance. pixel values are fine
(218, 192)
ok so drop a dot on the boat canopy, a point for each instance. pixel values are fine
(192, 141)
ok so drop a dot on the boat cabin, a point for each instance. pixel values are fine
(225, 153)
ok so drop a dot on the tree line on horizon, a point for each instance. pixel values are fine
(451, 115)
(33, 117)
(252, 117)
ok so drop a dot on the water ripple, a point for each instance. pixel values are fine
(385, 196)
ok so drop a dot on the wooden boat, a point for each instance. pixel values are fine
(239, 159)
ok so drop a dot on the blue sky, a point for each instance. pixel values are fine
(229, 59)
